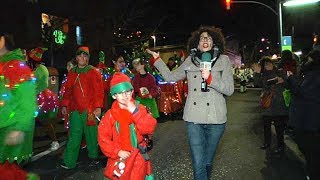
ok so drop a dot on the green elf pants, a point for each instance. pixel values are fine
(151, 104)
(78, 126)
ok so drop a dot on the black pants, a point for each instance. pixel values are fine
(309, 145)
(279, 124)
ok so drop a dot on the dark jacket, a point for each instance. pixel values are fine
(277, 107)
(305, 102)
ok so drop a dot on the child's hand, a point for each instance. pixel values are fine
(131, 106)
(124, 154)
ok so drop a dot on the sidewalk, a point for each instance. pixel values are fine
(291, 146)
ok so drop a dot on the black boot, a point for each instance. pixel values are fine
(265, 146)
(279, 152)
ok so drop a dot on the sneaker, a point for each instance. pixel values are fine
(83, 144)
(94, 163)
(279, 151)
(54, 146)
(64, 166)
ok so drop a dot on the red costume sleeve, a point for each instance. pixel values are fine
(98, 94)
(135, 84)
(153, 86)
(144, 121)
(108, 146)
(17, 72)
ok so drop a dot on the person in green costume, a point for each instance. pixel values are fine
(84, 97)
(17, 110)
(145, 87)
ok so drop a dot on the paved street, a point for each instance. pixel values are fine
(238, 155)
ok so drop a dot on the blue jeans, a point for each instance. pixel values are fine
(203, 141)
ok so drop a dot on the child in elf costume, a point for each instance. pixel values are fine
(145, 87)
(119, 66)
(17, 110)
(121, 131)
(83, 96)
(47, 100)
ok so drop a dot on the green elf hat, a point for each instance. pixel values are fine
(84, 50)
(36, 53)
(120, 83)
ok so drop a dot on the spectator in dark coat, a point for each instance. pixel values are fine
(304, 111)
(272, 80)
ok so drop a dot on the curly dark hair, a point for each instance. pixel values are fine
(215, 33)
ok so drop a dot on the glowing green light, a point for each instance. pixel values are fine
(59, 37)
(11, 115)
(299, 2)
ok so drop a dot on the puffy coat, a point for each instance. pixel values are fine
(109, 141)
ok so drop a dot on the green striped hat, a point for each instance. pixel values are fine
(119, 83)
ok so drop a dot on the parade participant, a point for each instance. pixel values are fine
(205, 112)
(104, 73)
(172, 65)
(121, 131)
(145, 87)
(70, 64)
(47, 100)
(83, 96)
(17, 110)
(101, 65)
(119, 66)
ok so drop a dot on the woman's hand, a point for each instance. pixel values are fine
(205, 73)
(289, 73)
(280, 80)
(124, 154)
(154, 54)
(256, 68)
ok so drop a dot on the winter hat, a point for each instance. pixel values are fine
(83, 49)
(36, 53)
(119, 83)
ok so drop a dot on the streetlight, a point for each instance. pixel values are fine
(279, 7)
(299, 2)
(154, 40)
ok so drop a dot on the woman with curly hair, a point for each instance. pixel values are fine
(205, 111)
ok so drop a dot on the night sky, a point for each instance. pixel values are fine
(176, 19)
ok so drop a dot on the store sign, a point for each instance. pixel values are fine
(286, 43)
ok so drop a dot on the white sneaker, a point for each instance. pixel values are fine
(54, 146)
